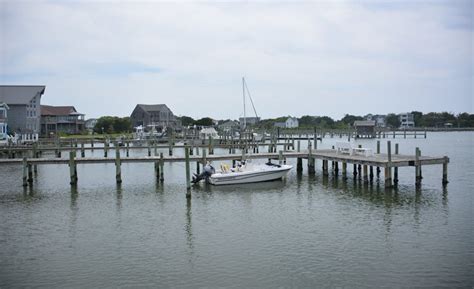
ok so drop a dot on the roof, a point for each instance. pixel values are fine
(19, 94)
(58, 110)
(153, 107)
(364, 123)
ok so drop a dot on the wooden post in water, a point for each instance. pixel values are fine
(162, 165)
(299, 146)
(388, 168)
(395, 169)
(211, 149)
(25, 172)
(417, 167)
(92, 143)
(118, 166)
(157, 170)
(378, 152)
(445, 171)
(280, 157)
(344, 170)
(299, 164)
(365, 174)
(149, 148)
(170, 146)
(188, 173)
(325, 168)
(128, 149)
(72, 168)
(315, 138)
(336, 168)
(106, 147)
(83, 153)
(354, 171)
(311, 168)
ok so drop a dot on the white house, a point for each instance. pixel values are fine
(291, 122)
(3, 121)
(407, 120)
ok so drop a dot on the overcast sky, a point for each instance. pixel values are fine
(307, 58)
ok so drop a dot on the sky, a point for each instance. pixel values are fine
(298, 58)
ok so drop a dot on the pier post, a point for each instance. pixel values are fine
(211, 149)
(128, 149)
(72, 168)
(325, 168)
(365, 174)
(118, 169)
(198, 168)
(149, 148)
(155, 149)
(106, 147)
(354, 171)
(188, 173)
(157, 170)
(378, 152)
(388, 168)
(445, 171)
(417, 167)
(25, 172)
(315, 138)
(83, 153)
(299, 146)
(299, 164)
(371, 173)
(395, 169)
(170, 146)
(162, 164)
(35, 155)
(92, 144)
(311, 169)
(344, 170)
(280, 157)
(336, 168)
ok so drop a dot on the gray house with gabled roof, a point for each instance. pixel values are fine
(157, 115)
(24, 102)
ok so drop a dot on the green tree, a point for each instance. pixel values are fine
(205, 121)
(113, 124)
(349, 119)
(418, 118)
(393, 120)
(187, 121)
(465, 120)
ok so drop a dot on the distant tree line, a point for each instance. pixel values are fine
(189, 121)
(113, 124)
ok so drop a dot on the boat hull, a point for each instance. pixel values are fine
(246, 177)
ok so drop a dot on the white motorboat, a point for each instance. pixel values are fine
(243, 174)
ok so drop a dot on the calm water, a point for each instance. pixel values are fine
(305, 231)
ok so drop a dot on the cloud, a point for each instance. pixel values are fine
(318, 58)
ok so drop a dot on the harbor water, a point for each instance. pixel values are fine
(304, 231)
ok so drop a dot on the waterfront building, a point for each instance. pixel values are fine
(61, 119)
(290, 122)
(229, 126)
(3, 121)
(90, 124)
(154, 115)
(24, 103)
(249, 121)
(378, 118)
(407, 120)
(365, 128)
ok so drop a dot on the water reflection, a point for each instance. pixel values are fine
(188, 229)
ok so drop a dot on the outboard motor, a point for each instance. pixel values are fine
(207, 172)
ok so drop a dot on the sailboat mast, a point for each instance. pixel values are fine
(243, 92)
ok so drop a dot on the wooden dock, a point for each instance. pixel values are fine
(362, 165)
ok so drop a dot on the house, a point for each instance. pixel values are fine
(248, 121)
(154, 115)
(290, 122)
(379, 119)
(3, 121)
(90, 124)
(61, 119)
(229, 126)
(407, 120)
(365, 128)
(24, 102)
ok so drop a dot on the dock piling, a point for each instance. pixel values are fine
(118, 166)
(188, 173)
